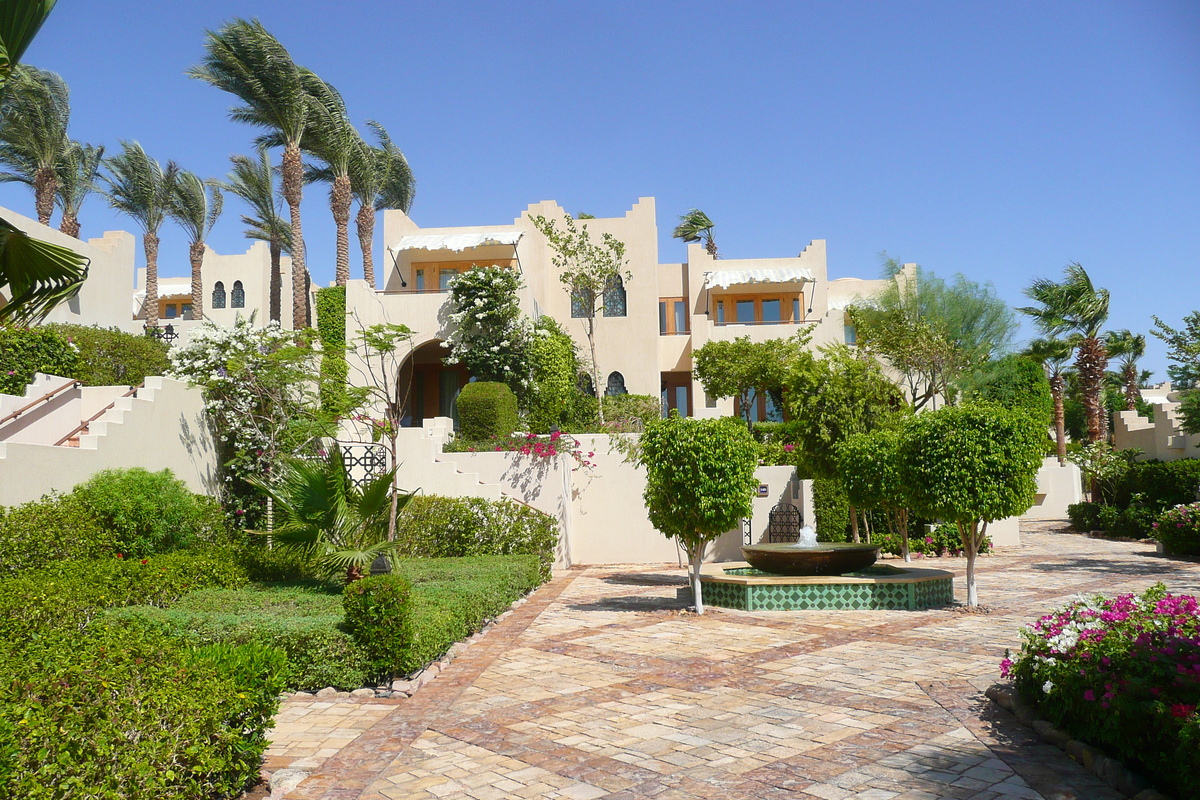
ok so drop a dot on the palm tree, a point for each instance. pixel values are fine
(33, 133)
(1076, 306)
(244, 59)
(1127, 347)
(380, 178)
(139, 187)
(39, 275)
(196, 211)
(77, 175)
(1054, 355)
(253, 180)
(331, 138)
(695, 226)
(342, 527)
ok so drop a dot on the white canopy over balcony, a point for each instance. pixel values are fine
(456, 241)
(723, 279)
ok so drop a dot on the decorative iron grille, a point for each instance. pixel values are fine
(783, 524)
(364, 462)
(747, 531)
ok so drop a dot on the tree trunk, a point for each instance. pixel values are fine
(1057, 389)
(365, 222)
(591, 337)
(353, 574)
(196, 253)
(970, 545)
(902, 524)
(1091, 362)
(150, 246)
(711, 247)
(276, 308)
(69, 224)
(854, 524)
(1132, 395)
(393, 511)
(340, 198)
(697, 558)
(45, 187)
(292, 171)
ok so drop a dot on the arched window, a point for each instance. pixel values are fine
(584, 384)
(582, 304)
(237, 296)
(218, 295)
(616, 384)
(614, 297)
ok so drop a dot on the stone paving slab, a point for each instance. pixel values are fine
(601, 686)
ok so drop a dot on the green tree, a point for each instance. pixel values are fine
(699, 482)
(1127, 347)
(1075, 306)
(832, 398)
(340, 527)
(695, 226)
(78, 174)
(33, 133)
(1014, 381)
(587, 270)
(39, 275)
(554, 366)
(1053, 355)
(971, 465)
(139, 187)
(195, 205)
(870, 468)
(1183, 347)
(745, 369)
(490, 336)
(253, 180)
(380, 178)
(244, 59)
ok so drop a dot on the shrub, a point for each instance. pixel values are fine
(554, 365)
(832, 510)
(379, 615)
(265, 564)
(1084, 516)
(487, 408)
(630, 413)
(111, 357)
(24, 351)
(331, 329)
(124, 712)
(55, 528)
(1162, 484)
(1014, 381)
(943, 540)
(304, 622)
(443, 527)
(68, 596)
(1179, 530)
(1123, 674)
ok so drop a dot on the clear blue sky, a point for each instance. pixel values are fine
(1000, 140)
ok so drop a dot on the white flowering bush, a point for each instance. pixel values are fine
(259, 394)
(491, 337)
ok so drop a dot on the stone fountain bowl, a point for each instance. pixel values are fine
(826, 558)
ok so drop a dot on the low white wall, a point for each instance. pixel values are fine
(164, 427)
(1058, 486)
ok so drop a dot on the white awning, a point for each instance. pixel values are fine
(733, 277)
(456, 241)
(167, 289)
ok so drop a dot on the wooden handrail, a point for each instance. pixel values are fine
(42, 399)
(83, 426)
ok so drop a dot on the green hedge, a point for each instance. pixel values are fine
(1162, 484)
(832, 510)
(110, 357)
(1179, 530)
(304, 622)
(122, 712)
(379, 612)
(486, 409)
(1084, 516)
(444, 527)
(331, 329)
(24, 351)
(132, 512)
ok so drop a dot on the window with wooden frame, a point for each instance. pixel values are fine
(759, 309)
(427, 274)
(672, 316)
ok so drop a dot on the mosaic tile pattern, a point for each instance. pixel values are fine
(603, 686)
(829, 596)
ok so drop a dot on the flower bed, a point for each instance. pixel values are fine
(527, 444)
(1122, 673)
(1179, 530)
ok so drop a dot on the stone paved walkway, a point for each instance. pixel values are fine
(599, 687)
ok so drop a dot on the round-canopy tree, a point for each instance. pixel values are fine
(870, 467)
(971, 465)
(699, 482)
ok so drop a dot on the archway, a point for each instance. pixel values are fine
(435, 385)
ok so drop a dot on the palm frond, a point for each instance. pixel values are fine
(139, 187)
(77, 176)
(195, 204)
(39, 275)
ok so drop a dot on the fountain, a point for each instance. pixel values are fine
(808, 557)
(811, 575)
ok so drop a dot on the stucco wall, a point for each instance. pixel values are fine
(164, 427)
(1058, 486)
(1161, 438)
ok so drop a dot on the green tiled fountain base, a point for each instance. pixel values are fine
(849, 596)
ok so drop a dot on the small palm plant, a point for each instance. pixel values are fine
(695, 226)
(340, 527)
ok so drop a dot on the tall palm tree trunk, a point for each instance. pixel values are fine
(365, 222)
(150, 246)
(339, 202)
(45, 187)
(1058, 388)
(293, 191)
(196, 254)
(1132, 395)
(1091, 362)
(276, 307)
(711, 247)
(70, 224)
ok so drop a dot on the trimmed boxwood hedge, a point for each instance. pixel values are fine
(486, 409)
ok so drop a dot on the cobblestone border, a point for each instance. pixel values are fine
(1109, 770)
